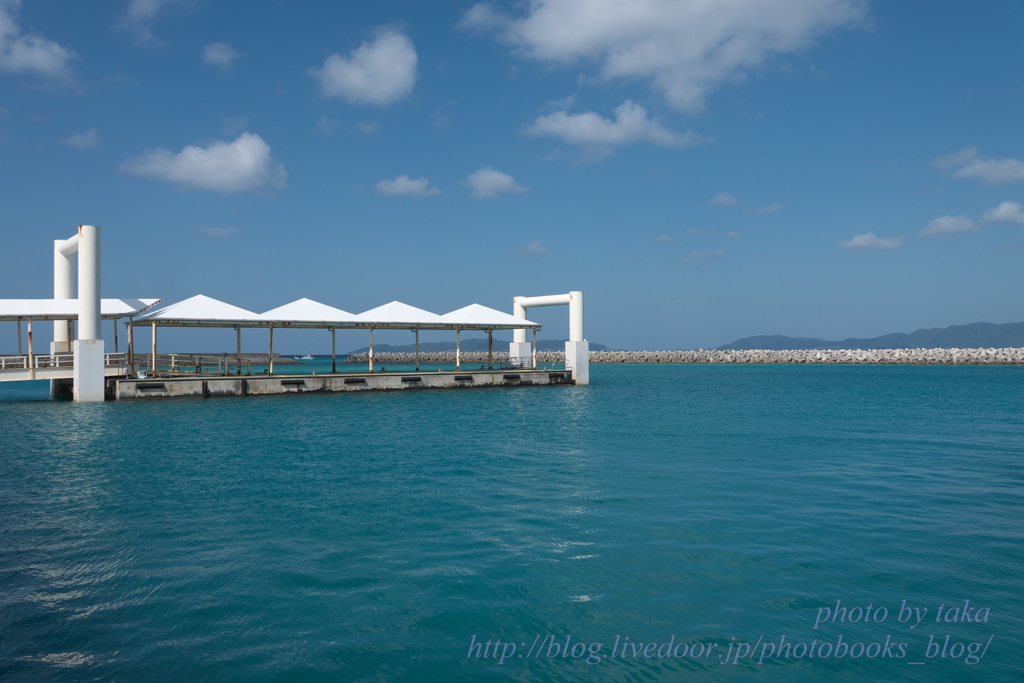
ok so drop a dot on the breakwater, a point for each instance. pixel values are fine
(1006, 356)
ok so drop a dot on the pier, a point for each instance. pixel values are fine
(80, 368)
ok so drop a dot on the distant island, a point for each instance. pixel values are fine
(474, 344)
(972, 336)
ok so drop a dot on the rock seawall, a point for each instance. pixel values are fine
(1009, 356)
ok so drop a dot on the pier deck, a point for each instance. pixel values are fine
(266, 385)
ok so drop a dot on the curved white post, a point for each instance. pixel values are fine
(577, 350)
(88, 374)
(63, 288)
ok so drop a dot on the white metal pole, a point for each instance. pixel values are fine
(238, 345)
(458, 364)
(31, 361)
(19, 336)
(370, 355)
(152, 353)
(131, 345)
(417, 349)
(534, 348)
(270, 356)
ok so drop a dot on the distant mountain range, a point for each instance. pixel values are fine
(973, 336)
(474, 344)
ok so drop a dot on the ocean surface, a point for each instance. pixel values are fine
(665, 523)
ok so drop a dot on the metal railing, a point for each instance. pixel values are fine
(190, 364)
(54, 360)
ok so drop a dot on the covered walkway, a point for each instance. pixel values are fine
(203, 311)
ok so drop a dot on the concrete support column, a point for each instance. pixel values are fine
(576, 316)
(519, 351)
(89, 282)
(577, 360)
(63, 288)
(577, 350)
(89, 376)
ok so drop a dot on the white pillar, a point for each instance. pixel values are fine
(89, 376)
(576, 316)
(458, 364)
(63, 288)
(89, 282)
(519, 349)
(370, 354)
(577, 349)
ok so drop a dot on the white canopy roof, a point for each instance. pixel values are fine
(397, 313)
(200, 310)
(306, 312)
(67, 309)
(482, 316)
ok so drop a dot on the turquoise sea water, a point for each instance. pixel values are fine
(390, 536)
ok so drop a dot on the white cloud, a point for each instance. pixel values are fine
(870, 241)
(368, 127)
(765, 210)
(1007, 212)
(483, 17)
(403, 185)
(722, 199)
(138, 19)
(244, 164)
(380, 72)
(733, 235)
(535, 247)
(597, 135)
(88, 139)
(969, 164)
(947, 225)
(667, 239)
(220, 54)
(217, 232)
(27, 53)
(488, 184)
(703, 256)
(685, 48)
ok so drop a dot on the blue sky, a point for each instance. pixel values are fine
(703, 171)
